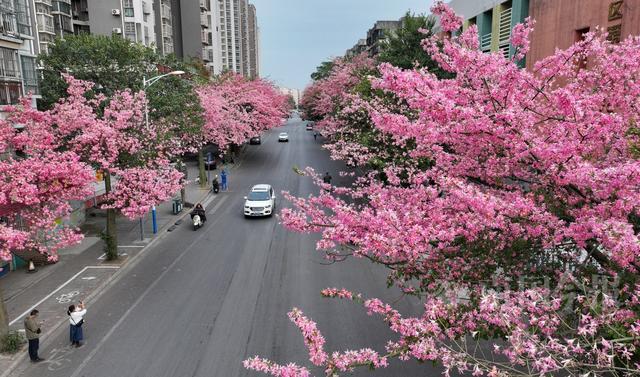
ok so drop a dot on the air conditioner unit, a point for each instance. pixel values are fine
(115, 12)
(116, 30)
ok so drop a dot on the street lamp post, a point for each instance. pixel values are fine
(146, 84)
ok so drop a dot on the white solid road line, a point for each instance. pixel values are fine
(106, 337)
(57, 289)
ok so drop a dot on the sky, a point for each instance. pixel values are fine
(297, 35)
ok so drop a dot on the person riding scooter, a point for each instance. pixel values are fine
(198, 216)
(215, 185)
(199, 210)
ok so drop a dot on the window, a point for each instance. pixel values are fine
(128, 8)
(29, 75)
(22, 17)
(62, 7)
(9, 93)
(579, 36)
(130, 31)
(8, 19)
(9, 63)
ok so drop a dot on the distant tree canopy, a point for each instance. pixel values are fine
(112, 63)
(322, 71)
(402, 48)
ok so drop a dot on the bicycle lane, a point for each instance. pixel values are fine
(53, 307)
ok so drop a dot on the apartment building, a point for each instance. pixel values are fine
(18, 75)
(372, 43)
(494, 19)
(133, 19)
(239, 36)
(164, 26)
(357, 49)
(254, 42)
(559, 24)
(53, 20)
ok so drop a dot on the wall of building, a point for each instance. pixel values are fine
(191, 28)
(101, 20)
(176, 10)
(560, 23)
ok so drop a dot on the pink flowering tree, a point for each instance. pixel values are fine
(341, 104)
(38, 182)
(236, 109)
(111, 135)
(521, 237)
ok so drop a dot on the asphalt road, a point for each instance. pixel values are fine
(198, 303)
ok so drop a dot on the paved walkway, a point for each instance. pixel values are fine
(83, 270)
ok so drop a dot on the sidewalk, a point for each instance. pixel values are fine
(82, 271)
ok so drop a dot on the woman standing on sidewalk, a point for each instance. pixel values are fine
(76, 320)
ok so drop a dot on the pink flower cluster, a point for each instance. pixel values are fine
(37, 185)
(236, 109)
(120, 143)
(530, 175)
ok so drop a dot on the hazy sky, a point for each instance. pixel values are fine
(297, 35)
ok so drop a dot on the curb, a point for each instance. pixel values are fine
(99, 290)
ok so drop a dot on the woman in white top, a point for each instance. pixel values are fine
(76, 320)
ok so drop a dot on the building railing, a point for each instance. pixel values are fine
(166, 11)
(504, 32)
(204, 20)
(45, 2)
(485, 42)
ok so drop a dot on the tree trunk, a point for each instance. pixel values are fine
(202, 173)
(4, 317)
(111, 235)
(182, 167)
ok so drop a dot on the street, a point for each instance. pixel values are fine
(199, 303)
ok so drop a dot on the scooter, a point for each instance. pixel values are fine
(215, 186)
(197, 222)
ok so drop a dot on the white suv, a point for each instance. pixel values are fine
(260, 202)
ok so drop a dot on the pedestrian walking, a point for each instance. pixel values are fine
(223, 180)
(315, 135)
(76, 320)
(327, 178)
(33, 331)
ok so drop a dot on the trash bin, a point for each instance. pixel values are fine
(177, 206)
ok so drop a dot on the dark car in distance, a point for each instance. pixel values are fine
(255, 140)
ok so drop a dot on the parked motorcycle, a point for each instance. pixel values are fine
(215, 186)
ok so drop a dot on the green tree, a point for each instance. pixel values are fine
(402, 48)
(113, 63)
(174, 100)
(323, 70)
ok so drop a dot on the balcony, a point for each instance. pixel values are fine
(207, 55)
(204, 4)
(165, 11)
(45, 2)
(167, 32)
(45, 23)
(204, 36)
(485, 42)
(204, 20)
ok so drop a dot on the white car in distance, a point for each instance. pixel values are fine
(261, 201)
(283, 137)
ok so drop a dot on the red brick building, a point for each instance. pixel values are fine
(560, 23)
